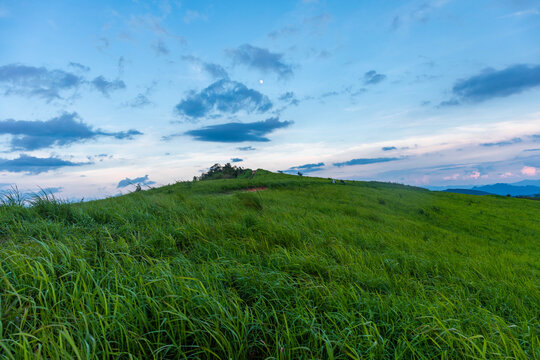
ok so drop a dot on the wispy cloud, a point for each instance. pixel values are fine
(236, 160)
(105, 86)
(261, 59)
(214, 70)
(289, 98)
(366, 161)
(160, 48)
(193, 15)
(238, 132)
(503, 143)
(223, 96)
(65, 129)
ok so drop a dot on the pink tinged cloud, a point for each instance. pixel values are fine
(507, 175)
(474, 175)
(529, 171)
(453, 177)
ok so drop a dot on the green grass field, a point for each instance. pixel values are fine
(305, 269)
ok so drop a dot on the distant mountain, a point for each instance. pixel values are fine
(521, 188)
(527, 183)
(467, 191)
(508, 189)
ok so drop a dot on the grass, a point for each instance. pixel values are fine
(304, 269)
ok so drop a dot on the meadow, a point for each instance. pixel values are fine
(302, 269)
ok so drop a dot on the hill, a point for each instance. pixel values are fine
(467, 191)
(300, 268)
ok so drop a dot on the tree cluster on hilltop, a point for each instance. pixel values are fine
(227, 171)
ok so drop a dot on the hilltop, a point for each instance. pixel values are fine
(298, 267)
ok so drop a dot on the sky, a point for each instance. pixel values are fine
(96, 96)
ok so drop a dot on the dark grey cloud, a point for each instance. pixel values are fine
(372, 77)
(389, 148)
(289, 98)
(246, 148)
(214, 70)
(34, 165)
(261, 59)
(105, 86)
(79, 67)
(224, 96)
(492, 83)
(160, 48)
(306, 168)
(238, 132)
(366, 161)
(62, 130)
(235, 160)
(143, 180)
(37, 81)
(503, 143)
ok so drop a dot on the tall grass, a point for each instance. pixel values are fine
(304, 269)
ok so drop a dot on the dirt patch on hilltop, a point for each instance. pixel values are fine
(255, 189)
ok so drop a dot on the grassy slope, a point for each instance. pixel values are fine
(304, 269)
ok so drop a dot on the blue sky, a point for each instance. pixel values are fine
(97, 95)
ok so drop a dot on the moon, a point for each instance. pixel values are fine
(261, 82)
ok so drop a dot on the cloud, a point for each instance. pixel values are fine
(79, 67)
(283, 32)
(421, 13)
(223, 96)
(289, 98)
(306, 168)
(503, 143)
(153, 23)
(192, 15)
(529, 171)
(35, 165)
(246, 148)
(492, 83)
(104, 86)
(160, 48)
(143, 180)
(366, 161)
(317, 23)
(235, 160)
(261, 59)
(389, 148)
(238, 132)
(49, 84)
(523, 13)
(139, 101)
(214, 70)
(37, 81)
(62, 130)
(372, 77)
